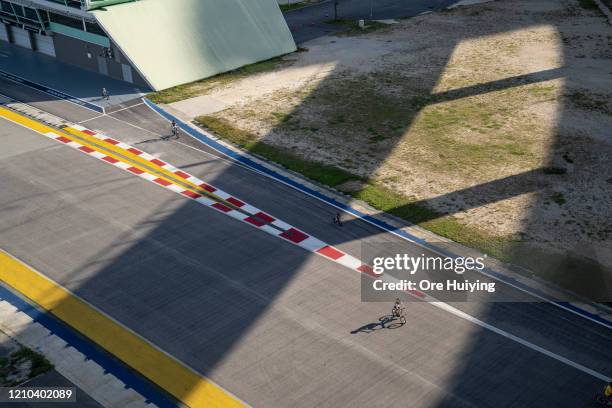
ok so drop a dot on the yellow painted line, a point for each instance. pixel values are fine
(112, 151)
(44, 129)
(182, 382)
(124, 152)
(144, 162)
(22, 120)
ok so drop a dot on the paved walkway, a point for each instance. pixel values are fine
(69, 79)
(69, 362)
(51, 378)
(54, 379)
(310, 22)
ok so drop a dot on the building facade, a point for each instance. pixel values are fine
(68, 31)
(150, 43)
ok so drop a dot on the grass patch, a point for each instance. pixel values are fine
(590, 101)
(40, 364)
(389, 201)
(554, 170)
(376, 136)
(379, 197)
(288, 7)
(542, 90)
(463, 133)
(351, 27)
(321, 173)
(202, 86)
(558, 198)
(280, 117)
(588, 4)
(9, 366)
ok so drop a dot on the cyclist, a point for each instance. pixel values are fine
(337, 220)
(397, 307)
(175, 130)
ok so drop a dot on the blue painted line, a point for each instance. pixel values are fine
(381, 224)
(91, 350)
(51, 91)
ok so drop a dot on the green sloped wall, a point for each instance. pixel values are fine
(171, 42)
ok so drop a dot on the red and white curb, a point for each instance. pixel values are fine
(319, 247)
(187, 177)
(253, 216)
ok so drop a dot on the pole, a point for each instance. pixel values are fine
(335, 10)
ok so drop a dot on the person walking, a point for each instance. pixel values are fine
(175, 129)
(105, 94)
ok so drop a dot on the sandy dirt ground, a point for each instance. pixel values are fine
(498, 114)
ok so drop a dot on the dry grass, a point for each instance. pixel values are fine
(493, 118)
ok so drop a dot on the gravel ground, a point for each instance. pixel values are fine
(498, 114)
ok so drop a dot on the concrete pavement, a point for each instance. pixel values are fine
(72, 367)
(266, 320)
(311, 22)
(65, 78)
(55, 379)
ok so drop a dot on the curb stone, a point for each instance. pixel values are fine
(512, 273)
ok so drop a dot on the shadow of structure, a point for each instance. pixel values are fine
(203, 292)
(391, 112)
(577, 267)
(564, 233)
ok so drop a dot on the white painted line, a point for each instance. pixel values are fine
(129, 107)
(97, 154)
(465, 316)
(450, 309)
(431, 247)
(123, 165)
(78, 127)
(350, 262)
(74, 145)
(281, 224)
(175, 188)
(205, 201)
(147, 156)
(270, 230)
(252, 210)
(311, 241)
(312, 244)
(95, 117)
(148, 176)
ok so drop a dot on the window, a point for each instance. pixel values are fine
(44, 16)
(18, 10)
(31, 14)
(6, 7)
(67, 21)
(94, 28)
(69, 3)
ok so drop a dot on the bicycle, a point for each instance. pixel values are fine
(399, 312)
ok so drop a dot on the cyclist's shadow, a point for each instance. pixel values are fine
(384, 322)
